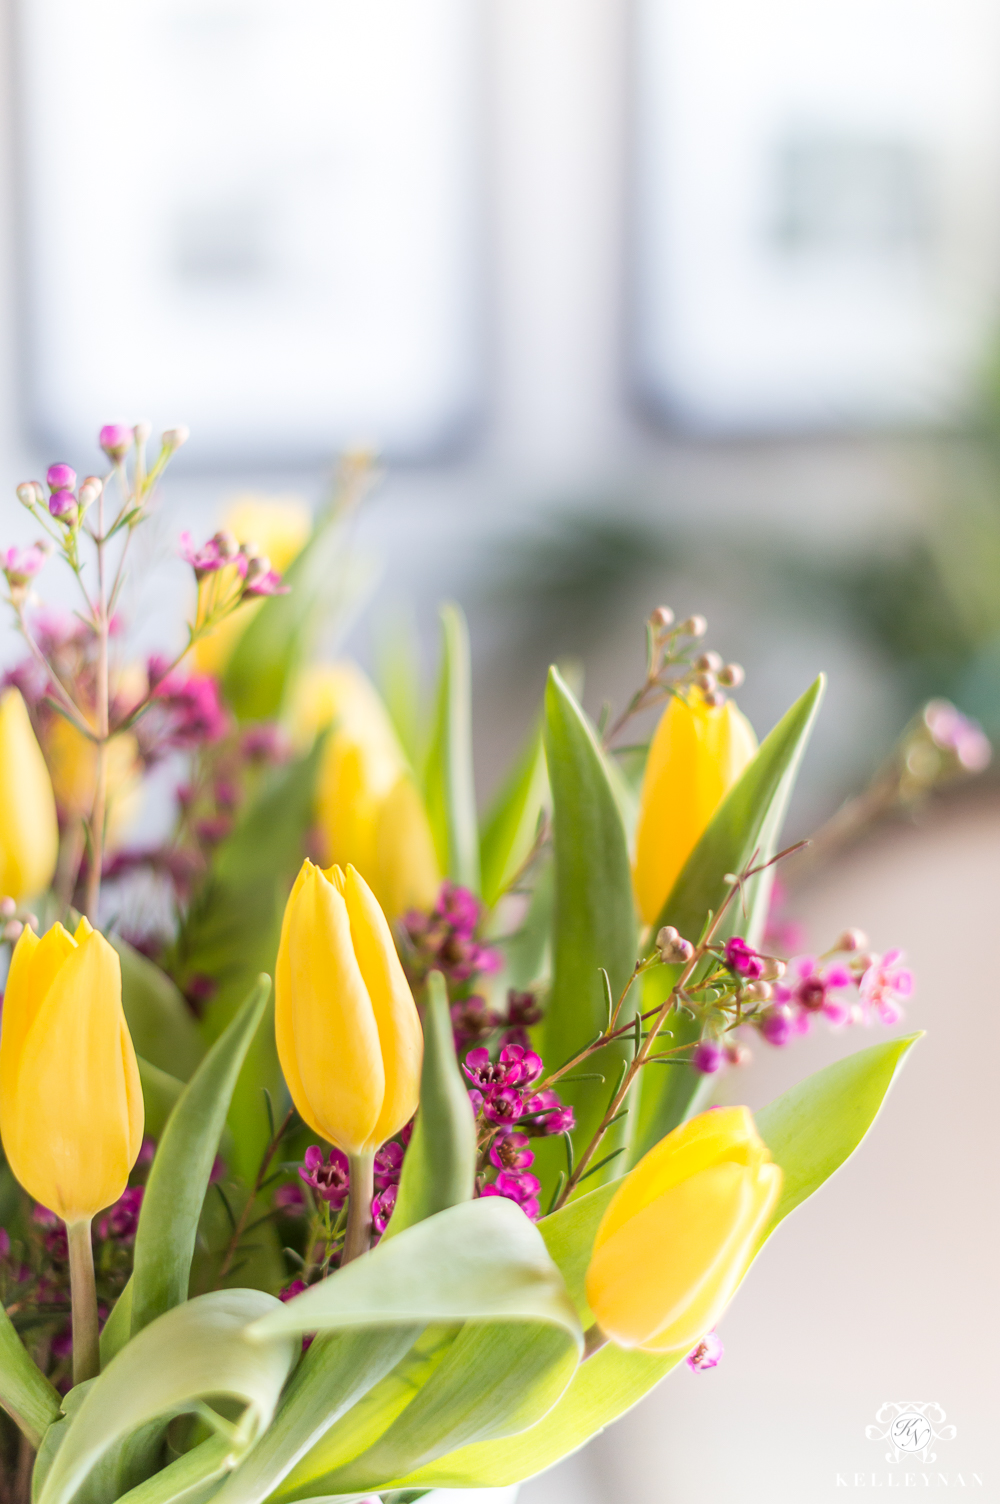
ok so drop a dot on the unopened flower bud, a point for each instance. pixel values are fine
(62, 504)
(250, 548)
(30, 493)
(760, 992)
(90, 490)
(707, 1057)
(715, 698)
(707, 683)
(12, 931)
(737, 1053)
(674, 950)
(173, 438)
(731, 675)
(8, 908)
(777, 1024)
(257, 568)
(852, 940)
(774, 969)
(693, 626)
(142, 430)
(61, 478)
(116, 440)
(31, 920)
(226, 543)
(662, 617)
(708, 663)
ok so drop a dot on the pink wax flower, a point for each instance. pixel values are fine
(707, 1057)
(954, 732)
(290, 1200)
(121, 1221)
(522, 1065)
(22, 564)
(383, 1207)
(885, 985)
(519, 1187)
(777, 1024)
(509, 1151)
(297, 1287)
(220, 550)
(266, 582)
(552, 1115)
(808, 987)
(743, 959)
(60, 477)
(116, 440)
(389, 1165)
(62, 505)
(503, 1106)
(706, 1355)
(329, 1178)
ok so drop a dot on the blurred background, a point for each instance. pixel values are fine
(639, 301)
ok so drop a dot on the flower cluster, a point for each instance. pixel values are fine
(447, 939)
(252, 568)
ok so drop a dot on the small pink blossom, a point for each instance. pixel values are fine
(329, 1178)
(268, 583)
(383, 1207)
(509, 1151)
(885, 985)
(552, 1114)
(743, 959)
(22, 564)
(706, 1355)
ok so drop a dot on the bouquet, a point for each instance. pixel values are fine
(355, 1145)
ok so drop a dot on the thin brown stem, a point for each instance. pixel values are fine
(358, 1237)
(83, 1292)
(59, 694)
(240, 1228)
(99, 810)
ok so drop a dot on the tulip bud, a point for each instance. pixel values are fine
(29, 834)
(349, 1037)
(697, 753)
(71, 1113)
(679, 1234)
(368, 808)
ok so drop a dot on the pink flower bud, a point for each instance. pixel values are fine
(662, 618)
(116, 440)
(60, 478)
(62, 504)
(693, 626)
(852, 940)
(777, 1024)
(707, 1057)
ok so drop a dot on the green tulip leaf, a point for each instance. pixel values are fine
(232, 929)
(748, 821)
(179, 1177)
(811, 1131)
(509, 828)
(25, 1393)
(118, 1328)
(594, 922)
(159, 1020)
(197, 1351)
(190, 1479)
(160, 1092)
(481, 1264)
(448, 782)
(336, 1372)
(440, 1165)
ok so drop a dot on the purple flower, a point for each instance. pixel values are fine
(476, 1101)
(4, 1243)
(388, 1164)
(707, 1057)
(445, 938)
(519, 1187)
(552, 1114)
(60, 477)
(809, 989)
(268, 582)
(706, 1354)
(503, 1106)
(777, 1024)
(471, 1020)
(295, 1288)
(62, 504)
(147, 1150)
(22, 564)
(329, 1178)
(220, 550)
(487, 1075)
(522, 1065)
(121, 1221)
(743, 959)
(290, 1200)
(885, 985)
(954, 732)
(383, 1207)
(116, 440)
(509, 1151)
(522, 1010)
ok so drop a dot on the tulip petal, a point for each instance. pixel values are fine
(73, 1138)
(675, 1256)
(723, 1134)
(328, 1040)
(408, 875)
(29, 834)
(400, 1036)
(33, 967)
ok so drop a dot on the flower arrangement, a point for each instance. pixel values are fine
(453, 1181)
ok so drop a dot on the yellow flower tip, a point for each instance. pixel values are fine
(71, 1112)
(347, 1028)
(29, 832)
(679, 1234)
(697, 753)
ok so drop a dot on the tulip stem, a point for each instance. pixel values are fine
(83, 1291)
(358, 1237)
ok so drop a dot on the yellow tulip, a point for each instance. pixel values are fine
(29, 834)
(280, 526)
(72, 760)
(368, 809)
(71, 1113)
(697, 753)
(678, 1235)
(349, 1036)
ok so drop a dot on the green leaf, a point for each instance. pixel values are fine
(179, 1178)
(189, 1479)
(26, 1395)
(338, 1369)
(481, 1263)
(813, 1128)
(748, 820)
(440, 1165)
(528, 951)
(162, 1027)
(281, 635)
(811, 1131)
(195, 1351)
(160, 1092)
(448, 783)
(118, 1328)
(232, 930)
(594, 920)
(509, 828)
